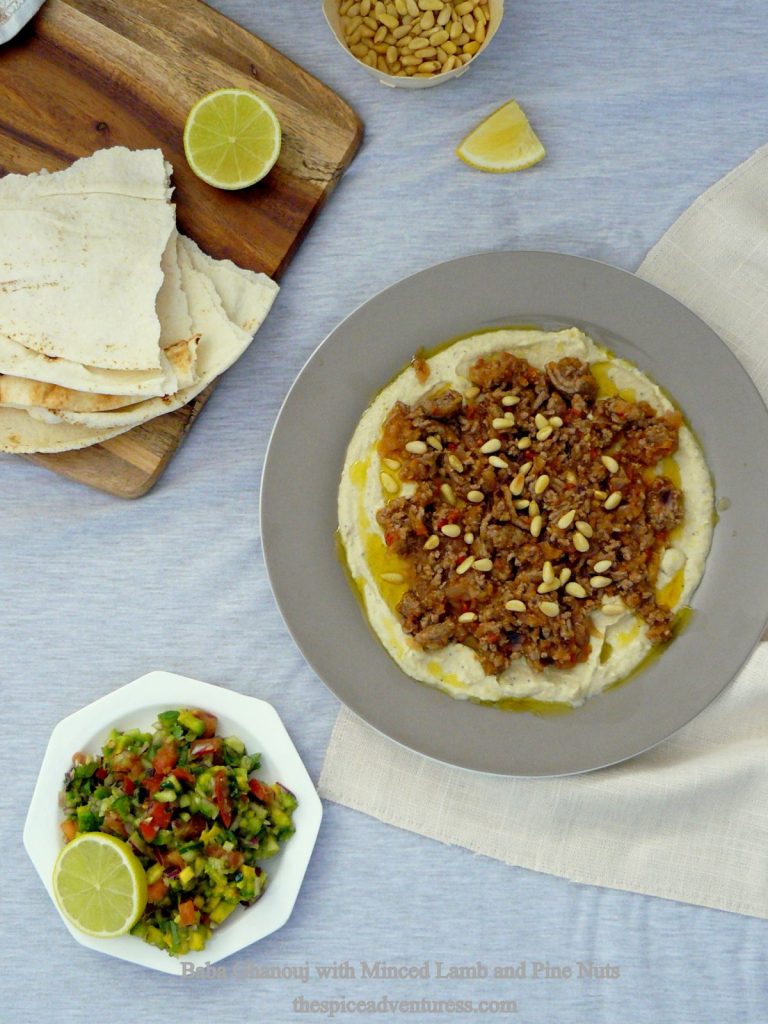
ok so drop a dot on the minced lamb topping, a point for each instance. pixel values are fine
(534, 504)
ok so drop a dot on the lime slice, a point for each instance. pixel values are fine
(99, 884)
(232, 138)
(503, 142)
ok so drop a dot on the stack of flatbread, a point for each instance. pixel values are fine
(108, 316)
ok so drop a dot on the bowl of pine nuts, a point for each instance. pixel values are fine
(414, 44)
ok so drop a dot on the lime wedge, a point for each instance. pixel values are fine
(99, 884)
(503, 142)
(232, 138)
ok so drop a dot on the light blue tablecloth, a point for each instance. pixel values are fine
(641, 106)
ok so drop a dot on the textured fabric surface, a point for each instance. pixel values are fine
(688, 820)
(641, 107)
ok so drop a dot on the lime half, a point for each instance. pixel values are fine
(503, 142)
(232, 138)
(99, 884)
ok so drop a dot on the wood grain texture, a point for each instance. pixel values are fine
(87, 74)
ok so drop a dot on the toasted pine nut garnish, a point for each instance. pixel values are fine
(467, 617)
(601, 495)
(547, 588)
(416, 447)
(492, 445)
(544, 433)
(483, 564)
(510, 400)
(455, 463)
(434, 442)
(431, 542)
(525, 469)
(575, 590)
(585, 528)
(390, 485)
(612, 609)
(475, 497)
(503, 422)
(536, 524)
(610, 463)
(465, 565)
(542, 483)
(391, 463)
(541, 421)
(515, 606)
(547, 572)
(550, 608)
(533, 508)
(469, 537)
(580, 542)
(565, 575)
(447, 492)
(498, 463)
(472, 392)
(603, 565)
(523, 443)
(612, 501)
(517, 485)
(451, 530)
(392, 577)
(565, 521)
(522, 503)
(598, 582)
(555, 421)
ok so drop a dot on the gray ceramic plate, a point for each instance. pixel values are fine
(306, 453)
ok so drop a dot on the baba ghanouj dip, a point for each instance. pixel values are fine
(525, 517)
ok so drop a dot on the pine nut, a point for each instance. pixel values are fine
(612, 501)
(444, 16)
(455, 463)
(525, 469)
(542, 483)
(542, 435)
(416, 447)
(413, 8)
(438, 38)
(480, 31)
(515, 606)
(464, 8)
(467, 617)
(483, 565)
(550, 608)
(610, 463)
(455, 30)
(612, 610)
(391, 55)
(510, 400)
(451, 530)
(492, 445)
(475, 497)
(469, 24)
(565, 575)
(498, 463)
(465, 565)
(380, 33)
(598, 582)
(580, 542)
(392, 577)
(418, 43)
(472, 392)
(502, 422)
(601, 495)
(575, 590)
(389, 483)
(548, 588)
(523, 443)
(391, 463)
(447, 492)
(522, 503)
(565, 521)
(603, 565)
(427, 21)
(555, 421)
(584, 528)
(431, 542)
(434, 442)
(536, 524)
(388, 20)
(540, 421)
(547, 572)
(517, 485)
(468, 538)
(533, 508)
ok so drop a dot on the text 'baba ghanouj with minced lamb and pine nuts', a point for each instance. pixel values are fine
(525, 516)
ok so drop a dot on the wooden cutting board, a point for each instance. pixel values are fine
(86, 74)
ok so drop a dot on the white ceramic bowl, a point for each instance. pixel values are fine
(258, 725)
(332, 16)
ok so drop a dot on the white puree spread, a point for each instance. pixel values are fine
(456, 669)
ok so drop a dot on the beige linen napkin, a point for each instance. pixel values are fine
(688, 820)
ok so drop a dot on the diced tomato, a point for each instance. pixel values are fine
(451, 446)
(235, 860)
(261, 791)
(183, 775)
(165, 758)
(221, 793)
(114, 823)
(156, 891)
(148, 830)
(187, 913)
(101, 773)
(129, 787)
(69, 828)
(389, 539)
(170, 859)
(159, 817)
(152, 783)
(209, 721)
(204, 747)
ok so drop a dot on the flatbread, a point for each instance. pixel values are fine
(242, 292)
(105, 219)
(171, 306)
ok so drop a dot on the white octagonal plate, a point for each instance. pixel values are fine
(258, 725)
